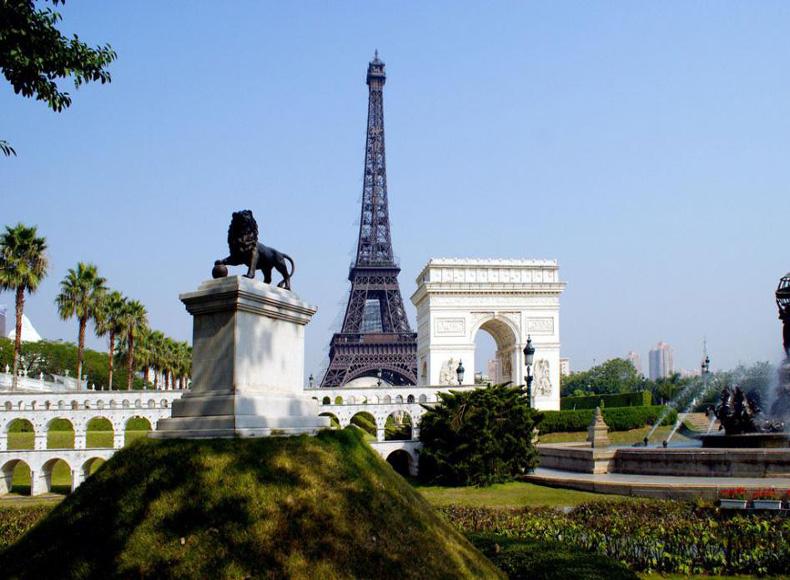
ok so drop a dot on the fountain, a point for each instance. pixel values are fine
(754, 442)
(744, 423)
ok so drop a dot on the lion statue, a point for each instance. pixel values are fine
(246, 250)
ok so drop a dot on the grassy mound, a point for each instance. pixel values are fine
(318, 507)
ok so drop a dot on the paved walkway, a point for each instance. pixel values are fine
(651, 485)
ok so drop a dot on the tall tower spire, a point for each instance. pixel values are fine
(375, 244)
(376, 339)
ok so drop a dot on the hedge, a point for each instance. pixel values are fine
(638, 399)
(618, 419)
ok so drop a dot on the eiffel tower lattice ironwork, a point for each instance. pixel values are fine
(376, 339)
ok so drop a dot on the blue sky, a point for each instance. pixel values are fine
(643, 145)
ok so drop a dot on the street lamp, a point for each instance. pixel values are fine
(378, 378)
(529, 356)
(460, 372)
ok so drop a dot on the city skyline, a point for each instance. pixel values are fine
(649, 173)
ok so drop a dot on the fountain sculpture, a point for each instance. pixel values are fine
(740, 413)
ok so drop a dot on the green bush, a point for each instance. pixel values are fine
(532, 560)
(638, 399)
(478, 437)
(648, 535)
(618, 419)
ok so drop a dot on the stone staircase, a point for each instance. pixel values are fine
(698, 422)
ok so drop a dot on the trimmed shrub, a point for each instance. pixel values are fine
(478, 437)
(638, 399)
(618, 419)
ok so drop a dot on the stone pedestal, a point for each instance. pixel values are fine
(598, 431)
(247, 364)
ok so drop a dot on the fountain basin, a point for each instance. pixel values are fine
(746, 441)
(675, 461)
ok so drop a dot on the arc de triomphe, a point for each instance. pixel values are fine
(511, 300)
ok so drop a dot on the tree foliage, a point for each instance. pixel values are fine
(34, 54)
(23, 264)
(478, 437)
(616, 375)
(81, 294)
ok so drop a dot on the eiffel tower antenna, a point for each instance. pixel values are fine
(376, 339)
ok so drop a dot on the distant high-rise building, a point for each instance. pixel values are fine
(2, 320)
(661, 365)
(635, 360)
(565, 367)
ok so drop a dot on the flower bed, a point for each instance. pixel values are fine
(663, 536)
(767, 498)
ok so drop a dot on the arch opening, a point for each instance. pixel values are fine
(401, 462)
(334, 422)
(91, 465)
(21, 434)
(15, 477)
(367, 423)
(398, 427)
(495, 353)
(57, 476)
(137, 427)
(60, 434)
(99, 433)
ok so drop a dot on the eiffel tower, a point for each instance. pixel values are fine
(376, 340)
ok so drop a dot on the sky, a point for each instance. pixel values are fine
(644, 145)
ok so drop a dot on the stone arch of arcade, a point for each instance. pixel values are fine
(511, 300)
(42, 410)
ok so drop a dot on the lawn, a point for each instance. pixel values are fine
(513, 494)
(616, 437)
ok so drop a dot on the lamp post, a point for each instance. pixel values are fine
(459, 372)
(378, 378)
(529, 356)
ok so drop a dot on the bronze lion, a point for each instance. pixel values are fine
(246, 250)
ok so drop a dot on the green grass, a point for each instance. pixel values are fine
(616, 437)
(513, 494)
(302, 507)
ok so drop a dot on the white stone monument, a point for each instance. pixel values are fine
(247, 364)
(512, 300)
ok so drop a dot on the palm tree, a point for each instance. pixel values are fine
(156, 341)
(184, 364)
(135, 320)
(109, 321)
(81, 292)
(143, 356)
(23, 264)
